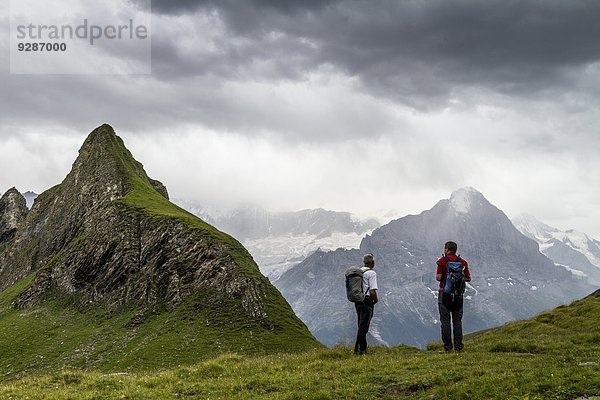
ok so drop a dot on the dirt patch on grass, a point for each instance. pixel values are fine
(395, 391)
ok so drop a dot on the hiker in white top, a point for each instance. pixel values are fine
(364, 309)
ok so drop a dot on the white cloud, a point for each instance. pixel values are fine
(266, 117)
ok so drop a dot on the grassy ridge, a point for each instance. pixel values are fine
(498, 364)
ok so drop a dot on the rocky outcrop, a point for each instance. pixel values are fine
(108, 236)
(13, 210)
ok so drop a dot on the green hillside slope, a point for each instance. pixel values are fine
(106, 273)
(498, 364)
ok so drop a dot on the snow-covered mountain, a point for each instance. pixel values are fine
(573, 250)
(279, 240)
(511, 278)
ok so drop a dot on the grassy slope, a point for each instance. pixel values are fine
(563, 364)
(290, 333)
(55, 334)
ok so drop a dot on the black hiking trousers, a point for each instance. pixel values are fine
(451, 311)
(364, 312)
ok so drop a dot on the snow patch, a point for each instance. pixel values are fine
(534, 288)
(472, 288)
(375, 333)
(574, 271)
(461, 199)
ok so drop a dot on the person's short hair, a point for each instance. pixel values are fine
(451, 247)
(368, 259)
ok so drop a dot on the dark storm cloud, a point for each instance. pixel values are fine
(177, 7)
(417, 52)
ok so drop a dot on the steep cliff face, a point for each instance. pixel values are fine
(108, 237)
(13, 210)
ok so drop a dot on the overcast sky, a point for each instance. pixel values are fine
(361, 106)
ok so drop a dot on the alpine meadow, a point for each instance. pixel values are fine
(299, 199)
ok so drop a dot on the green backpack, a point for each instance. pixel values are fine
(354, 285)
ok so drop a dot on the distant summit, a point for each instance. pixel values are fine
(107, 238)
(511, 278)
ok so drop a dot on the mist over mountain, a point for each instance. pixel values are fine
(511, 278)
(573, 250)
(279, 240)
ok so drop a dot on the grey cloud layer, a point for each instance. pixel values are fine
(416, 52)
(424, 54)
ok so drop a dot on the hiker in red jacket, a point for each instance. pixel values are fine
(452, 273)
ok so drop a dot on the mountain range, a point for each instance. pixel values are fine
(573, 250)
(279, 240)
(511, 278)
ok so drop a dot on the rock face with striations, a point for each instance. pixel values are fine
(13, 210)
(107, 236)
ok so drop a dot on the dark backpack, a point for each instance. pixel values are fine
(455, 279)
(354, 285)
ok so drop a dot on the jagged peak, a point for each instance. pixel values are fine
(103, 139)
(14, 198)
(12, 192)
(101, 134)
(104, 142)
(13, 209)
(105, 160)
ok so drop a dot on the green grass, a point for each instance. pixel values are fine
(55, 335)
(497, 364)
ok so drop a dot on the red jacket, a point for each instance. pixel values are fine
(443, 269)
